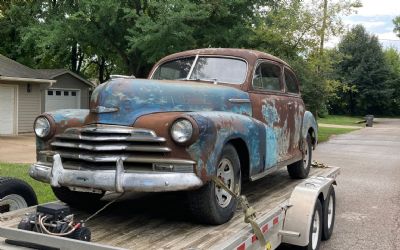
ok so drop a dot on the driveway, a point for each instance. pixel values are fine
(18, 149)
(368, 191)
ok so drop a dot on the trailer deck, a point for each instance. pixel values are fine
(161, 221)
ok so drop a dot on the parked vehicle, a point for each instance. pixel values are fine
(232, 113)
(15, 194)
(288, 211)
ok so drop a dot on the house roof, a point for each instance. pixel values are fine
(53, 73)
(14, 71)
(11, 68)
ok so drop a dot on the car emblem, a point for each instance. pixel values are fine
(102, 109)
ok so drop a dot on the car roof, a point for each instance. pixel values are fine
(247, 54)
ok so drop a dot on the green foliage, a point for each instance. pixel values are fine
(364, 71)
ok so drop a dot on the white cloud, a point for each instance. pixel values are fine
(388, 36)
(379, 8)
(366, 24)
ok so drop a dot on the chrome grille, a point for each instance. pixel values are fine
(100, 146)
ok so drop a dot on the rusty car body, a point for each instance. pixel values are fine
(242, 126)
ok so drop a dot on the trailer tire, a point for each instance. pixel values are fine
(329, 210)
(77, 199)
(15, 194)
(301, 169)
(314, 241)
(207, 204)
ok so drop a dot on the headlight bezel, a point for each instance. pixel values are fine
(50, 130)
(194, 132)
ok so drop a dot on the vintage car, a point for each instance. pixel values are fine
(232, 113)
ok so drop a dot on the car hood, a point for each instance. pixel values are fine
(121, 101)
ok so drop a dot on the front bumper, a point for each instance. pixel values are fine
(113, 180)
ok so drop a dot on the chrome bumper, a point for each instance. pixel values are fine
(113, 180)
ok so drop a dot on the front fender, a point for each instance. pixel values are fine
(60, 120)
(309, 122)
(218, 128)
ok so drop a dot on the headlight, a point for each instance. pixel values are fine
(182, 131)
(42, 127)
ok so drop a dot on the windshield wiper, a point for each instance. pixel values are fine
(213, 80)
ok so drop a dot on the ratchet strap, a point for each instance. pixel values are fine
(249, 212)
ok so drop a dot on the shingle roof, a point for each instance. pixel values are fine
(12, 68)
(53, 73)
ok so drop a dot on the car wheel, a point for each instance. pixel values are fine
(77, 199)
(301, 169)
(315, 233)
(329, 209)
(211, 204)
(15, 194)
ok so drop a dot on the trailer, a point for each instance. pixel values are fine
(296, 212)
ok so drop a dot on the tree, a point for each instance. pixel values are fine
(392, 58)
(364, 67)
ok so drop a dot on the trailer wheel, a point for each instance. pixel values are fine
(77, 199)
(15, 194)
(329, 209)
(301, 169)
(315, 228)
(211, 204)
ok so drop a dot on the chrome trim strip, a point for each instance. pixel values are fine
(122, 147)
(126, 158)
(114, 129)
(238, 100)
(110, 138)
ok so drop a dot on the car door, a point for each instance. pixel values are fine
(269, 103)
(295, 111)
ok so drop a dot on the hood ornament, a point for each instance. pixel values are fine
(102, 109)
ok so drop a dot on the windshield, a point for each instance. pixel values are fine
(219, 69)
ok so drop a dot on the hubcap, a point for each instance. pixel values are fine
(306, 158)
(226, 174)
(315, 231)
(330, 212)
(12, 202)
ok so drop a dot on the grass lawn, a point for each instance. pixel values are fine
(342, 120)
(42, 190)
(325, 133)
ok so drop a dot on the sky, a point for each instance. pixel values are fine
(376, 16)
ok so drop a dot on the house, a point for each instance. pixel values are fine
(25, 93)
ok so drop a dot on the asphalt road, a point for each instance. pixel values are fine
(368, 191)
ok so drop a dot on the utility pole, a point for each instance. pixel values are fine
(323, 28)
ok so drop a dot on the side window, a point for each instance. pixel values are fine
(291, 82)
(266, 77)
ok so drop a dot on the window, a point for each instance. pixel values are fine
(58, 92)
(267, 77)
(73, 93)
(178, 69)
(206, 68)
(291, 82)
(66, 93)
(50, 92)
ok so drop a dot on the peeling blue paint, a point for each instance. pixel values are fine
(216, 129)
(137, 97)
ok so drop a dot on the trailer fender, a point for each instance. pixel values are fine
(301, 207)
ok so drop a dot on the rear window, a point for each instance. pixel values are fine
(291, 82)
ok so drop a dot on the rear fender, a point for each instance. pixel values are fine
(218, 128)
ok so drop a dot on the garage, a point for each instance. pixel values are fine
(62, 99)
(7, 109)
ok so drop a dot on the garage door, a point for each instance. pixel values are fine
(7, 109)
(62, 99)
